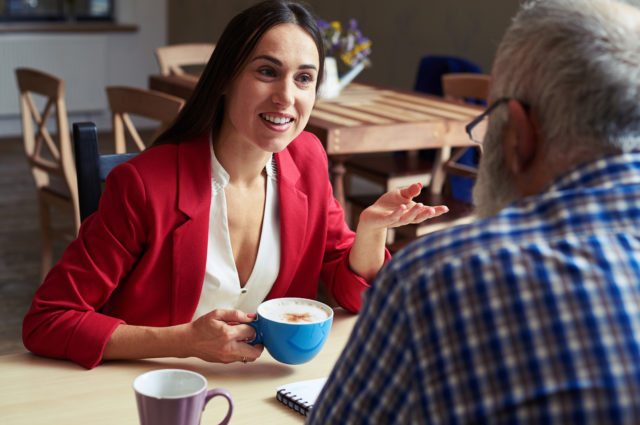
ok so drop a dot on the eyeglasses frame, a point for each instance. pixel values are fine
(477, 120)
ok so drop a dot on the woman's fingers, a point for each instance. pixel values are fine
(232, 316)
(244, 333)
(387, 219)
(222, 336)
(396, 208)
(246, 353)
(429, 213)
(414, 211)
(411, 191)
(417, 214)
(441, 209)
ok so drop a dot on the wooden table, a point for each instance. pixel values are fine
(366, 119)
(37, 390)
(177, 85)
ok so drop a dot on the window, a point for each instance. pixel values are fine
(56, 10)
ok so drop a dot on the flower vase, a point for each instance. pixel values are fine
(332, 84)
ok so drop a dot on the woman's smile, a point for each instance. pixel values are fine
(277, 122)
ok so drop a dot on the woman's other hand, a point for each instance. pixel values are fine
(393, 209)
(396, 208)
(220, 336)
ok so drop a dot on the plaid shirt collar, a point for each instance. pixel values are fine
(603, 172)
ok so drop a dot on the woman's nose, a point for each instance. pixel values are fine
(283, 93)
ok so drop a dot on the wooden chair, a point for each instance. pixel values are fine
(173, 58)
(461, 87)
(49, 154)
(388, 171)
(458, 87)
(392, 169)
(92, 168)
(127, 101)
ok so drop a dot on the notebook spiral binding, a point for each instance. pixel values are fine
(293, 402)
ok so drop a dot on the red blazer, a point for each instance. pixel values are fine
(140, 259)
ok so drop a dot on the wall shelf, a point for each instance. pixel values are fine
(65, 27)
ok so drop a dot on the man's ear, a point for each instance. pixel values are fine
(522, 144)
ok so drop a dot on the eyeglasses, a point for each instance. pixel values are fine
(476, 134)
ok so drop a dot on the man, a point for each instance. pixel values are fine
(532, 313)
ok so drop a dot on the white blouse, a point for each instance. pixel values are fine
(221, 287)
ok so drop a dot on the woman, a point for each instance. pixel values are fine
(231, 206)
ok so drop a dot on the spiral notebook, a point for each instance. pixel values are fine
(301, 395)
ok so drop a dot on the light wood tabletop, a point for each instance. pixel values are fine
(36, 390)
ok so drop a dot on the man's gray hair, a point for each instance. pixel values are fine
(577, 64)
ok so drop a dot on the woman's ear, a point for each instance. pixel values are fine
(522, 142)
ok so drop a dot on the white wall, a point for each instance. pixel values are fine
(87, 62)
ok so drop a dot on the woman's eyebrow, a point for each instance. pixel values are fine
(279, 63)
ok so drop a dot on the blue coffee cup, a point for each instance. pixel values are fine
(293, 330)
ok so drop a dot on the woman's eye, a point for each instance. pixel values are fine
(305, 78)
(267, 72)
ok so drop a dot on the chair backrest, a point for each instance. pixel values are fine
(130, 101)
(92, 168)
(462, 87)
(49, 154)
(174, 57)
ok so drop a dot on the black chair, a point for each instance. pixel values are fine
(91, 167)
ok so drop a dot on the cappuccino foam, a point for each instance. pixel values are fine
(294, 312)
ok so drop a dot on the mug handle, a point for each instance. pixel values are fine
(256, 326)
(224, 393)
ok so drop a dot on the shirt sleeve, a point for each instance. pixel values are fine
(346, 286)
(64, 320)
(373, 379)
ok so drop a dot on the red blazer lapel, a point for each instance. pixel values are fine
(293, 222)
(190, 238)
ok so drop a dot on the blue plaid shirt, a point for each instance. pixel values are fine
(531, 316)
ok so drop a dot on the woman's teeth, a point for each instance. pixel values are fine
(276, 120)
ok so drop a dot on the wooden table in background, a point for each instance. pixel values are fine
(176, 85)
(43, 391)
(367, 119)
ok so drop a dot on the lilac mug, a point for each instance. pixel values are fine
(175, 397)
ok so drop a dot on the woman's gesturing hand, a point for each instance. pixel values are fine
(397, 208)
(220, 336)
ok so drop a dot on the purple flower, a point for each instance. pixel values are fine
(351, 46)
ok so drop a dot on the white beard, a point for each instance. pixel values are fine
(494, 188)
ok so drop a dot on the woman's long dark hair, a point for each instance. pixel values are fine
(205, 108)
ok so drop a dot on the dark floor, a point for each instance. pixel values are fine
(19, 243)
(20, 240)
